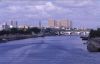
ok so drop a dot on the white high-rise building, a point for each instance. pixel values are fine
(14, 24)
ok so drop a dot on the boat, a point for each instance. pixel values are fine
(84, 37)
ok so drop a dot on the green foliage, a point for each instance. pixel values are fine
(20, 31)
(94, 33)
(35, 30)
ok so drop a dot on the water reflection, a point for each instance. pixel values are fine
(47, 50)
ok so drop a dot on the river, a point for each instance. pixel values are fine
(47, 50)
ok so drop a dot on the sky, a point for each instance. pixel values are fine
(83, 13)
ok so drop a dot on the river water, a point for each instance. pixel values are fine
(47, 50)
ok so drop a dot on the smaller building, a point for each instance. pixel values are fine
(5, 26)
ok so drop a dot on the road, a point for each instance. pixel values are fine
(47, 50)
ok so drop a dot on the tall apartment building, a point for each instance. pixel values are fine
(63, 23)
(66, 23)
(52, 23)
(70, 24)
(60, 24)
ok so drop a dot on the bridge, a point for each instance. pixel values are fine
(73, 32)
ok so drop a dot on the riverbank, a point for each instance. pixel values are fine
(93, 45)
(6, 38)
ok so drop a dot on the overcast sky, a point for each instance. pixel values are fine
(83, 13)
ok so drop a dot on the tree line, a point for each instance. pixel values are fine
(94, 33)
(20, 31)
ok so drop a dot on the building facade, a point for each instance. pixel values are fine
(52, 23)
(60, 24)
(14, 24)
(5, 26)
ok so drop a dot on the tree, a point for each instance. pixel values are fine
(35, 30)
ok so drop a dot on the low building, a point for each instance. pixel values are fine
(5, 26)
